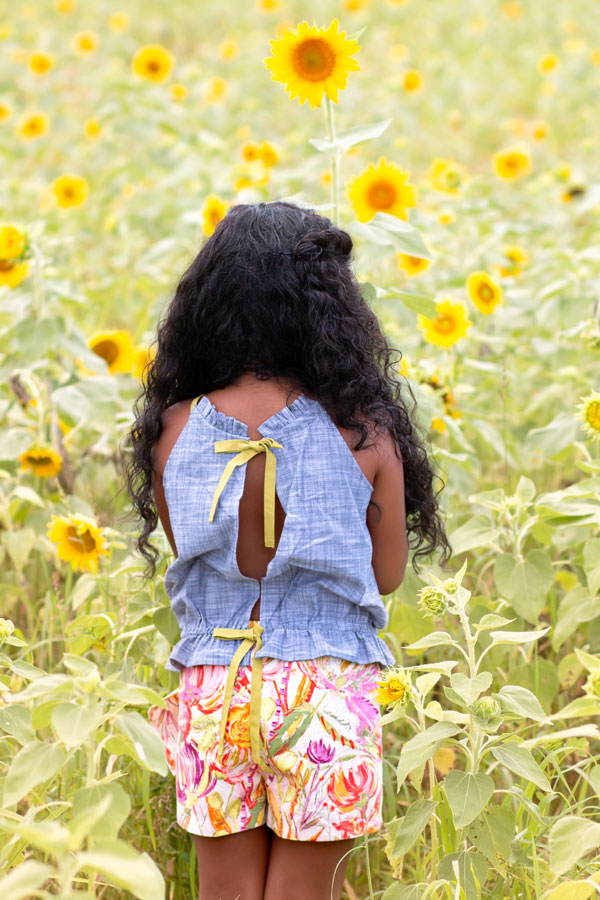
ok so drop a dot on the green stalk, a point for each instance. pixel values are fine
(335, 162)
(369, 879)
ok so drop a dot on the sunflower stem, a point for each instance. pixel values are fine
(335, 162)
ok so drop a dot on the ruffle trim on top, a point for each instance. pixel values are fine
(355, 645)
(231, 425)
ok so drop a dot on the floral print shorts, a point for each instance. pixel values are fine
(321, 740)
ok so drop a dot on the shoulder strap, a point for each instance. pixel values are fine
(195, 400)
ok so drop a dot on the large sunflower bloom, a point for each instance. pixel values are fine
(381, 187)
(450, 324)
(78, 541)
(12, 241)
(312, 61)
(394, 688)
(116, 348)
(41, 460)
(484, 293)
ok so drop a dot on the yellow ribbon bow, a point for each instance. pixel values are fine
(251, 635)
(248, 449)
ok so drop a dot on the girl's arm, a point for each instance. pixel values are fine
(387, 526)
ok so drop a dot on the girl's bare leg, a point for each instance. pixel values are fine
(234, 866)
(304, 870)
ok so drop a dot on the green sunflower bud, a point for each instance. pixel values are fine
(6, 629)
(432, 600)
(486, 708)
(592, 685)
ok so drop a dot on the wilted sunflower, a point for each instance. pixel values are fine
(512, 162)
(116, 347)
(312, 62)
(589, 414)
(448, 327)
(41, 460)
(394, 688)
(412, 265)
(12, 273)
(70, 190)
(32, 125)
(78, 541)
(152, 62)
(12, 241)
(213, 210)
(483, 292)
(381, 187)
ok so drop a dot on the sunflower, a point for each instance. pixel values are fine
(412, 81)
(250, 151)
(92, 129)
(41, 460)
(178, 92)
(511, 10)
(215, 89)
(64, 6)
(12, 273)
(33, 125)
(449, 326)
(228, 49)
(539, 131)
(394, 688)
(141, 357)
(312, 62)
(118, 22)
(548, 62)
(483, 292)
(40, 62)
(116, 348)
(447, 175)
(516, 255)
(445, 217)
(589, 414)
(78, 541)
(512, 162)
(70, 190)
(438, 424)
(5, 111)
(213, 210)
(152, 62)
(85, 42)
(268, 154)
(412, 265)
(382, 186)
(12, 241)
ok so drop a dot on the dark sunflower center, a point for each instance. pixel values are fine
(153, 65)
(485, 292)
(85, 543)
(381, 194)
(313, 59)
(108, 350)
(5, 265)
(40, 460)
(444, 324)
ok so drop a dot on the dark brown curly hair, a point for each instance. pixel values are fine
(272, 292)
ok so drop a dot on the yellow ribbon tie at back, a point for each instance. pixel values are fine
(250, 636)
(245, 451)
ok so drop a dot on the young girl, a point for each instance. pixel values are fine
(275, 448)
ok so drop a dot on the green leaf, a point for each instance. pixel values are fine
(491, 833)
(16, 720)
(524, 583)
(576, 607)
(117, 861)
(165, 621)
(434, 639)
(43, 686)
(467, 795)
(520, 760)
(472, 873)
(79, 664)
(580, 708)
(470, 688)
(146, 741)
(525, 490)
(477, 532)
(22, 881)
(73, 723)
(347, 139)
(490, 620)
(422, 746)
(553, 437)
(570, 838)
(106, 828)
(33, 764)
(19, 545)
(417, 303)
(386, 230)
(411, 825)
(522, 702)
(517, 637)
(572, 890)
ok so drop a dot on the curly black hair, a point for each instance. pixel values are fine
(272, 292)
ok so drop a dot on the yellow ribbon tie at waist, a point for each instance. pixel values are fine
(248, 449)
(250, 636)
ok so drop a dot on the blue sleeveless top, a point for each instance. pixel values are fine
(319, 595)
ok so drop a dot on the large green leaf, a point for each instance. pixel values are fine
(73, 722)
(520, 760)
(570, 838)
(346, 139)
(521, 702)
(525, 582)
(34, 763)
(422, 746)
(412, 825)
(467, 795)
(386, 230)
(146, 740)
(107, 827)
(591, 564)
(24, 880)
(117, 861)
(472, 872)
(477, 532)
(470, 688)
(492, 833)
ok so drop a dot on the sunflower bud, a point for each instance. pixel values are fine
(432, 600)
(6, 629)
(450, 586)
(487, 708)
(592, 685)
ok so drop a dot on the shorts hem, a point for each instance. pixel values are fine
(324, 836)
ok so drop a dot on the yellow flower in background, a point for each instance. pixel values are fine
(518, 256)
(85, 42)
(438, 424)
(141, 357)
(43, 461)
(548, 62)
(70, 190)
(512, 162)
(228, 49)
(215, 89)
(115, 347)
(152, 62)
(394, 688)
(483, 292)
(325, 177)
(213, 210)
(128, 190)
(118, 22)
(511, 10)
(448, 327)
(447, 175)
(312, 62)
(178, 92)
(64, 6)
(250, 151)
(588, 411)
(539, 131)
(404, 367)
(78, 541)
(594, 57)
(267, 6)
(412, 265)
(268, 154)
(445, 217)
(12, 273)
(32, 125)
(12, 241)
(92, 129)
(398, 52)
(382, 186)
(242, 182)
(40, 62)
(5, 111)
(413, 80)
(355, 5)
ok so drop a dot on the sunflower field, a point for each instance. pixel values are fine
(458, 144)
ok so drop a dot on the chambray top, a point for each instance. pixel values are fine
(319, 595)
